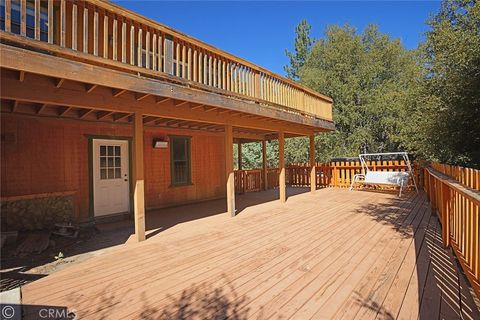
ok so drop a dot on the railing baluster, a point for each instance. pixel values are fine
(74, 27)
(115, 40)
(189, 64)
(8, 13)
(37, 20)
(105, 35)
(224, 75)
(147, 50)
(154, 51)
(200, 67)
(95, 33)
(23, 18)
(132, 44)
(205, 68)
(214, 72)
(140, 47)
(85, 30)
(210, 71)
(62, 23)
(229, 77)
(184, 60)
(160, 53)
(124, 42)
(195, 65)
(50, 27)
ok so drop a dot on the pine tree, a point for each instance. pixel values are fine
(303, 44)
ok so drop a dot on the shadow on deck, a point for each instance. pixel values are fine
(162, 219)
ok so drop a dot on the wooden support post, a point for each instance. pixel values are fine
(313, 174)
(138, 179)
(265, 167)
(445, 214)
(229, 174)
(281, 166)
(239, 145)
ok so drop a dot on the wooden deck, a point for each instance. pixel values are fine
(332, 254)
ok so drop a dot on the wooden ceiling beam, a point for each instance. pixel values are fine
(14, 105)
(90, 87)
(41, 107)
(160, 100)
(161, 121)
(198, 106)
(82, 114)
(141, 96)
(181, 103)
(121, 116)
(211, 109)
(63, 110)
(59, 82)
(103, 114)
(118, 92)
(148, 119)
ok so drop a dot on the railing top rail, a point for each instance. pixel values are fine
(469, 193)
(181, 36)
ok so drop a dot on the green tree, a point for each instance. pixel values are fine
(370, 78)
(446, 120)
(303, 43)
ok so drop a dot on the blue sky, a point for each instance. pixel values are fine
(260, 31)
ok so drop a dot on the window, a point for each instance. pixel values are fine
(110, 162)
(180, 160)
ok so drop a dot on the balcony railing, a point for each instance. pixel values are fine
(104, 33)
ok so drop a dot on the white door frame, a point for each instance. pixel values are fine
(126, 173)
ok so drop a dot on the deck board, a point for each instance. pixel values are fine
(331, 254)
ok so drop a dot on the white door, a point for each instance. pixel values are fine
(110, 177)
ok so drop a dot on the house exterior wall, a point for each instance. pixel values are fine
(48, 155)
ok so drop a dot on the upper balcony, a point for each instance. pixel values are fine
(104, 34)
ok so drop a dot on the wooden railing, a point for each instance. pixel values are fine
(104, 33)
(467, 176)
(333, 174)
(248, 180)
(339, 174)
(457, 207)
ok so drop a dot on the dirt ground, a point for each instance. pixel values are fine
(19, 269)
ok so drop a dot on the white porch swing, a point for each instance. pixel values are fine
(396, 178)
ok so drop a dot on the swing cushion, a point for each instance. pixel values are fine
(386, 177)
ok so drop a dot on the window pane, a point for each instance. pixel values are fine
(110, 162)
(117, 162)
(117, 150)
(103, 150)
(103, 162)
(181, 173)
(111, 174)
(110, 150)
(179, 150)
(103, 174)
(118, 173)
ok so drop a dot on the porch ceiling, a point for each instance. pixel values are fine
(39, 95)
(18, 97)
